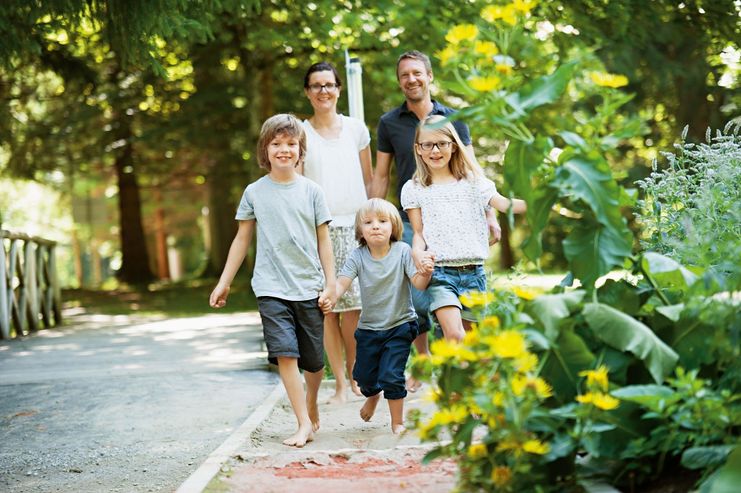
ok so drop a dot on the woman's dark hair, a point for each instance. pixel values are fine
(322, 67)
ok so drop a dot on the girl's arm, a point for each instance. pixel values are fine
(237, 252)
(366, 165)
(501, 203)
(327, 298)
(422, 278)
(418, 241)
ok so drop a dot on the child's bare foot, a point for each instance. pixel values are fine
(369, 408)
(397, 429)
(340, 397)
(413, 384)
(355, 389)
(300, 438)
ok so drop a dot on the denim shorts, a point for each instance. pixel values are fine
(294, 329)
(449, 283)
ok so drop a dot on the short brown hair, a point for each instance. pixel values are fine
(414, 55)
(383, 208)
(282, 123)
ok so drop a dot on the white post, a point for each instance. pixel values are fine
(354, 86)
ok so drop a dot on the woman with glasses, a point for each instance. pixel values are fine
(338, 158)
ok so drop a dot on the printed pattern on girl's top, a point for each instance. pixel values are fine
(453, 218)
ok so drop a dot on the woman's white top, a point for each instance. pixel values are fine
(335, 165)
(453, 218)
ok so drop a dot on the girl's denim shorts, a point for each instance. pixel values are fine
(449, 283)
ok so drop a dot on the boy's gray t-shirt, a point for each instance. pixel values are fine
(287, 264)
(385, 287)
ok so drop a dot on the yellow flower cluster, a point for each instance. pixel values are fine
(447, 54)
(507, 13)
(474, 299)
(527, 293)
(608, 80)
(596, 378)
(599, 400)
(484, 84)
(455, 414)
(477, 451)
(486, 48)
(521, 383)
(536, 447)
(445, 349)
(507, 344)
(501, 476)
(460, 33)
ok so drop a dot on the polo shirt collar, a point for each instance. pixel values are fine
(437, 108)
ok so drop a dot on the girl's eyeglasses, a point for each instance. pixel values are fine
(317, 88)
(441, 145)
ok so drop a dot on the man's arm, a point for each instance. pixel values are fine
(380, 185)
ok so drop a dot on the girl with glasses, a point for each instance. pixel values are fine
(338, 158)
(446, 202)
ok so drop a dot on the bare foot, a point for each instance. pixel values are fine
(366, 412)
(397, 429)
(413, 384)
(300, 438)
(313, 409)
(355, 389)
(340, 397)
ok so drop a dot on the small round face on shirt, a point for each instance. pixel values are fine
(324, 98)
(376, 230)
(436, 158)
(414, 80)
(283, 152)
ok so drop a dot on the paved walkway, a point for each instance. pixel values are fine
(113, 403)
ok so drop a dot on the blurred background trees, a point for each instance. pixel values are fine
(142, 116)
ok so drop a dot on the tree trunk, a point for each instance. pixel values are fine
(506, 256)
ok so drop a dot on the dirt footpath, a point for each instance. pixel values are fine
(347, 455)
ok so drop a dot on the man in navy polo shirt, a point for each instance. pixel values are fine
(396, 141)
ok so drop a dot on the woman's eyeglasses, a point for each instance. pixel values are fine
(317, 88)
(441, 145)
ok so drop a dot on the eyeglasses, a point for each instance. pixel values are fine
(317, 88)
(442, 145)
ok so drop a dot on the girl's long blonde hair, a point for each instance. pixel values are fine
(461, 163)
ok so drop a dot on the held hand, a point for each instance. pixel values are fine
(419, 256)
(327, 300)
(218, 296)
(495, 231)
(428, 263)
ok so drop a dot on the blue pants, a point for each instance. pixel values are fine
(420, 299)
(381, 359)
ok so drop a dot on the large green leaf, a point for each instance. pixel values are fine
(667, 272)
(728, 477)
(567, 357)
(594, 249)
(542, 90)
(591, 181)
(702, 457)
(623, 332)
(550, 309)
(537, 217)
(653, 397)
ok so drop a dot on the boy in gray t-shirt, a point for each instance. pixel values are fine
(294, 278)
(388, 322)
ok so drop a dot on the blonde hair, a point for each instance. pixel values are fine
(285, 124)
(381, 208)
(461, 163)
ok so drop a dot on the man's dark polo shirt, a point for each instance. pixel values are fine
(396, 136)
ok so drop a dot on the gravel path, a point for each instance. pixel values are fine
(122, 404)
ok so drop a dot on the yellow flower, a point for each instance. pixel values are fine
(454, 414)
(526, 293)
(598, 399)
(498, 399)
(473, 299)
(596, 377)
(508, 344)
(486, 48)
(504, 69)
(484, 84)
(491, 322)
(536, 447)
(608, 80)
(523, 6)
(541, 388)
(462, 32)
(446, 54)
(508, 13)
(508, 444)
(501, 476)
(471, 338)
(477, 450)
(444, 349)
(525, 363)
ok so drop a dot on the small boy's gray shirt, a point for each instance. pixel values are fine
(385, 287)
(287, 215)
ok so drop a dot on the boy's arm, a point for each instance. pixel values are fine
(502, 204)
(237, 252)
(328, 297)
(343, 284)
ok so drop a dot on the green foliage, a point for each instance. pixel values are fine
(692, 208)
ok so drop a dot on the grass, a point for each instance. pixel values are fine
(172, 299)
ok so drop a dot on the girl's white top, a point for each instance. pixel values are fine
(453, 218)
(335, 165)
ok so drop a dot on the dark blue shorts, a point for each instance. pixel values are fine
(381, 359)
(294, 329)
